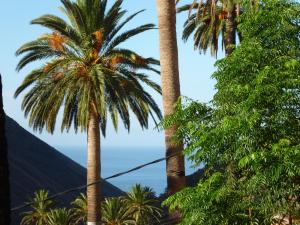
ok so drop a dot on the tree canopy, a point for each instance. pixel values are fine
(248, 136)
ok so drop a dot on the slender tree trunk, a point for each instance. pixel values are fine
(290, 220)
(4, 173)
(230, 35)
(170, 90)
(94, 171)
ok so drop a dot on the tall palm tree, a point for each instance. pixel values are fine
(4, 171)
(208, 20)
(171, 91)
(61, 216)
(142, 205)
(79, 209)
(116, 212)
(89, 75)
(41, 207)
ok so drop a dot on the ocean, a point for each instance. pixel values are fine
(119, 159)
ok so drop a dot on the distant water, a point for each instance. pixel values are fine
(119, 159)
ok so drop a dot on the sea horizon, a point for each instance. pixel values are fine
(116, 159)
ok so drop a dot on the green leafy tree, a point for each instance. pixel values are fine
(41, 207)
(142, 205)
(79, 210)
(61, 216)
(115, 211)
(248, 138)
(88, 74)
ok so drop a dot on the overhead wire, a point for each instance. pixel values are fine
(78, 188)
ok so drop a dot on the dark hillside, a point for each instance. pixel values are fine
(4, 173)
(35, 165)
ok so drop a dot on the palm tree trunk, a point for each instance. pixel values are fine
(4, 170)
(230, 35)
(93, 171)
(170, 90)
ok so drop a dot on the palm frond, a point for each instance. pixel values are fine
(86, 69)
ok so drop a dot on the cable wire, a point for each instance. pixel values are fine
(78, 188)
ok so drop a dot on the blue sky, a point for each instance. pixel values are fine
(195, 69)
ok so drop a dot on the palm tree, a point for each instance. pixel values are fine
(79, 209)
(210, 19)
(142, 205)
(115, 211)
(171, 91)
(4, 171)
(89, 75)
(41, 207)
(61, 216)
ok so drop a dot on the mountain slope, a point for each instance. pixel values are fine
(36, 165)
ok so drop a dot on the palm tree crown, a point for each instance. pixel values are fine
(208, 20)
(142, 205)
(41, 207)
(86, 70)
(79, 210)
(61, 216)
(115, 211)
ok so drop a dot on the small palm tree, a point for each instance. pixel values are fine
(88, 74)
(79, 210)
(142, 205)
(41, 207)
(115, 211)
(61, 216)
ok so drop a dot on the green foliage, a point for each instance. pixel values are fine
(191, 119)
(86, 69)
(142, 205)
(249, 138)
(60, 217)
(116, 211)
(79, 210)
(40, 209)
(138, 207)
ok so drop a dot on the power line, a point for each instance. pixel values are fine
(78, 188)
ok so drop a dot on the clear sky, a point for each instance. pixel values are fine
(195, 69)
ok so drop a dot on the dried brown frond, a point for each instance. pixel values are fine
(116, 60)
(99, 38)
(82, 71)
(222, 15)
(57, 76)
(56, 42)
(47, 68)
(94, 54)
